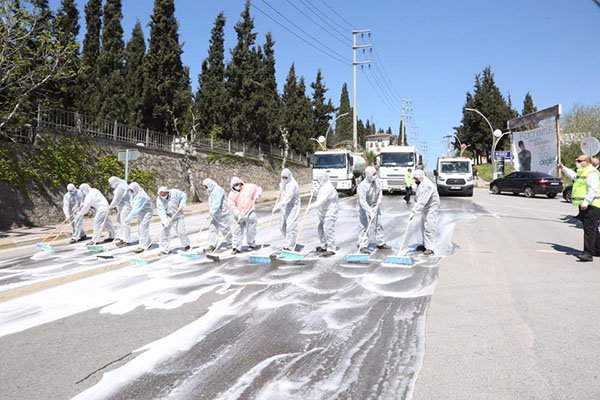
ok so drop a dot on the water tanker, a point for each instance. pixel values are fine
(343, 167)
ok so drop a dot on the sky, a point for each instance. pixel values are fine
(425, 52)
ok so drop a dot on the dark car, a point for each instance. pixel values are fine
(529, 183)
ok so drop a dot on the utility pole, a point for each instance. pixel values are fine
(355, 62)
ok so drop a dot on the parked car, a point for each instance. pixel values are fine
(567, 193)
(528, 183)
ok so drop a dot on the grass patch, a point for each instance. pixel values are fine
(485, 171)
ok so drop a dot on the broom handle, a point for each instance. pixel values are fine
(303, 219)
(163, 229)
(405, 235)
(269, 225)
(64, 226)
(366, 235)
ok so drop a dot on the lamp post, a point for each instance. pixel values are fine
(450, 136)
(322, 140)
(496, 135)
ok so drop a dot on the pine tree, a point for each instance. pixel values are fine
(290, 106)
(270, 107)
(305, 122)
(67, 20)
(321, 109)
(241, 85)
(111, 64)
(165, 74)
(211, 97)
(135, 52)
(343, 129)
(528, 106)
(88, 78)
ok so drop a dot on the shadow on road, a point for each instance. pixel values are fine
(562, 249)
(571, 220)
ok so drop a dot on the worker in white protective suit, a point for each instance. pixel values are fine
(96, 200)
(327, 208)
(427, 203)
(72, 203)
(122, 203)
(141, 208)
(221, 219)
(170, 203)
(242, 203)
(289, 204)
(370, 196)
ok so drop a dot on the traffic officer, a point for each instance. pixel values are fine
(585, 196)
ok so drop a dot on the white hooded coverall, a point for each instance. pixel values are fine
(96, 200)
(141, 207)
(221, 219)
(289, 204)
(122, 203)
(427, 202)
(170, 209)
(72, 202)
(369, 198)
(327, 208)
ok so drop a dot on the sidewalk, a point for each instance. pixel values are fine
(21, 237)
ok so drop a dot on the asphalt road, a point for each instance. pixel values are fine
(500, 312)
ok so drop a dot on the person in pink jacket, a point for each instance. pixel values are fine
(242, 199)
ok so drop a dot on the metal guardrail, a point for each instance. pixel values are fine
(82, 124)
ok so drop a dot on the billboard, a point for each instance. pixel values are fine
(536, 149)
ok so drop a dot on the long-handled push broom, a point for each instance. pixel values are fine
(218, 256)
(264, 258)
(192, 255)
(96, 237)
(360, 257)
(142, 261)
(401, 259)
(292, 254)
(47, 247)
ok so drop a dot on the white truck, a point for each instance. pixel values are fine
(454, 175)
(343, 167)
(395, 163)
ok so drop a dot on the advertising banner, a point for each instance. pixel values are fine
(536, 150)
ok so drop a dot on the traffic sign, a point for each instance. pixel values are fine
(128, 154)
(501, 154)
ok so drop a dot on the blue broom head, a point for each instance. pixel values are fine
(45, 247)
(358, 258)
(138, 261)
(292, 255)
(191, 255)
(260, 259)
(398, 260)
(95, 248)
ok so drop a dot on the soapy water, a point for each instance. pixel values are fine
(325, 329)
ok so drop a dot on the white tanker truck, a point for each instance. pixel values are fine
(343, 167)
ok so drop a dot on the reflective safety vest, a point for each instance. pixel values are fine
(580, 187)
(409, 177)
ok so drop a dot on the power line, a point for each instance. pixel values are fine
(318, 24)
(392, 87)
(377, 93)
(383, 91)
(339, 59)
(302, 30)
(318, 12)
(335, 12)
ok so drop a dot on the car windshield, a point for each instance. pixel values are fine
(455, 167)
(329, 161)
(397, 159)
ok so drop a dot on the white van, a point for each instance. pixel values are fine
(454, 175)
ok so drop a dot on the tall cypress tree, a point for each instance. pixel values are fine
(211, 97)
(135, 53)
(67, 20)
(321, 109)
(343, 129)
(289, 103)
(241, 84)
(528, 106)
(88, 79)
(111, 64)
(305, 123)
(271, 106)
(165, 73)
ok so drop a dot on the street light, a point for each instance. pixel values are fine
(496, 135)
(322, 140)
(450, 136)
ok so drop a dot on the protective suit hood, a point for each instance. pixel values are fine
(134, 187)
(70, 188)
(210, 184)
(163, 189)
(235, 181)
(114, 181)
(85, 188)
(322, 178)
(419, 174)
(370, 174)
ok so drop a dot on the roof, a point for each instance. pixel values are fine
(379, 136)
